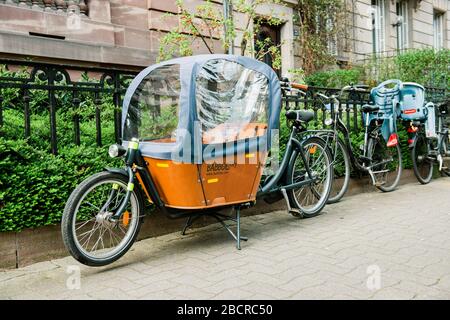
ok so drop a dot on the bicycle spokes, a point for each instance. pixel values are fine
(385, 169)
(96, 233)
(318, 166)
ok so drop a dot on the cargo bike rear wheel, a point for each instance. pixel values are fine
(311, 198)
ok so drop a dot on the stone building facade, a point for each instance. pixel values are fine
(126, 33)
(385, 26)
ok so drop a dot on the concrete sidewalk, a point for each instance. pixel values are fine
(373, 245)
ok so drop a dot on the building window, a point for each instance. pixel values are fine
(438, 30)
(402, 24)
(379, 25)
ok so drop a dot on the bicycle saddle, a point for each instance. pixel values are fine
(300, 115)
(370, 108)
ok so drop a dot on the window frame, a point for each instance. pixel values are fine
(438, 30)
(402, 10)
(379, 26)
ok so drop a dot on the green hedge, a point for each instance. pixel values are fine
(334, 78)
(426, 66)
(35, 185)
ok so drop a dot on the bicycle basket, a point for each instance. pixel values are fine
(412, 100)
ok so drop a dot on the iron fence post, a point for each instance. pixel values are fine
(51, 73)
(76, 118)
(117, 113)
(98, 128)
(1, 109)
(26, 112)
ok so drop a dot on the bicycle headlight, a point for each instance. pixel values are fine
(328, 122)
(116, 150)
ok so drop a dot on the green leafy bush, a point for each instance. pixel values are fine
(34, 184)
(425, 66)
(334, 78)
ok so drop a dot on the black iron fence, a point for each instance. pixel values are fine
(52, 79)
(348, 105)
(112, 83)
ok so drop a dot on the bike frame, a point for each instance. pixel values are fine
(293, 145)
(339, 126)
(442, 133)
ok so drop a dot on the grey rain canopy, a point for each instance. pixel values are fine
(193, 106)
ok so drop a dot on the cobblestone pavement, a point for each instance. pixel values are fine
(373, 245)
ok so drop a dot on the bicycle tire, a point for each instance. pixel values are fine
(316, 209)
(346, 178)
(423, 169)
(71, 209)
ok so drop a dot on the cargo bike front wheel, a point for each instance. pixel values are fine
(89, 232)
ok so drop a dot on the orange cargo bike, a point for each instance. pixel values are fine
(199, 135)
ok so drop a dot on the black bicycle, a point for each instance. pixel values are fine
(304, 176)
(426, 151)
(379, 157)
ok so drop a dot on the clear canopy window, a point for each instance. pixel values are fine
(226, 98)
(231, 101)
(153, 112)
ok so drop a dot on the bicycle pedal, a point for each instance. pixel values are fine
(365, 159)
(295, 212)
(379, 184)
(433, 153)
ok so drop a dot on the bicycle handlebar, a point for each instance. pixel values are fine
(299, 86)
(351, 87)
(354, 87)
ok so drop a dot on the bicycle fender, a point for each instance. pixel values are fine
(124, 173)
(299, 145)
(118, 170)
